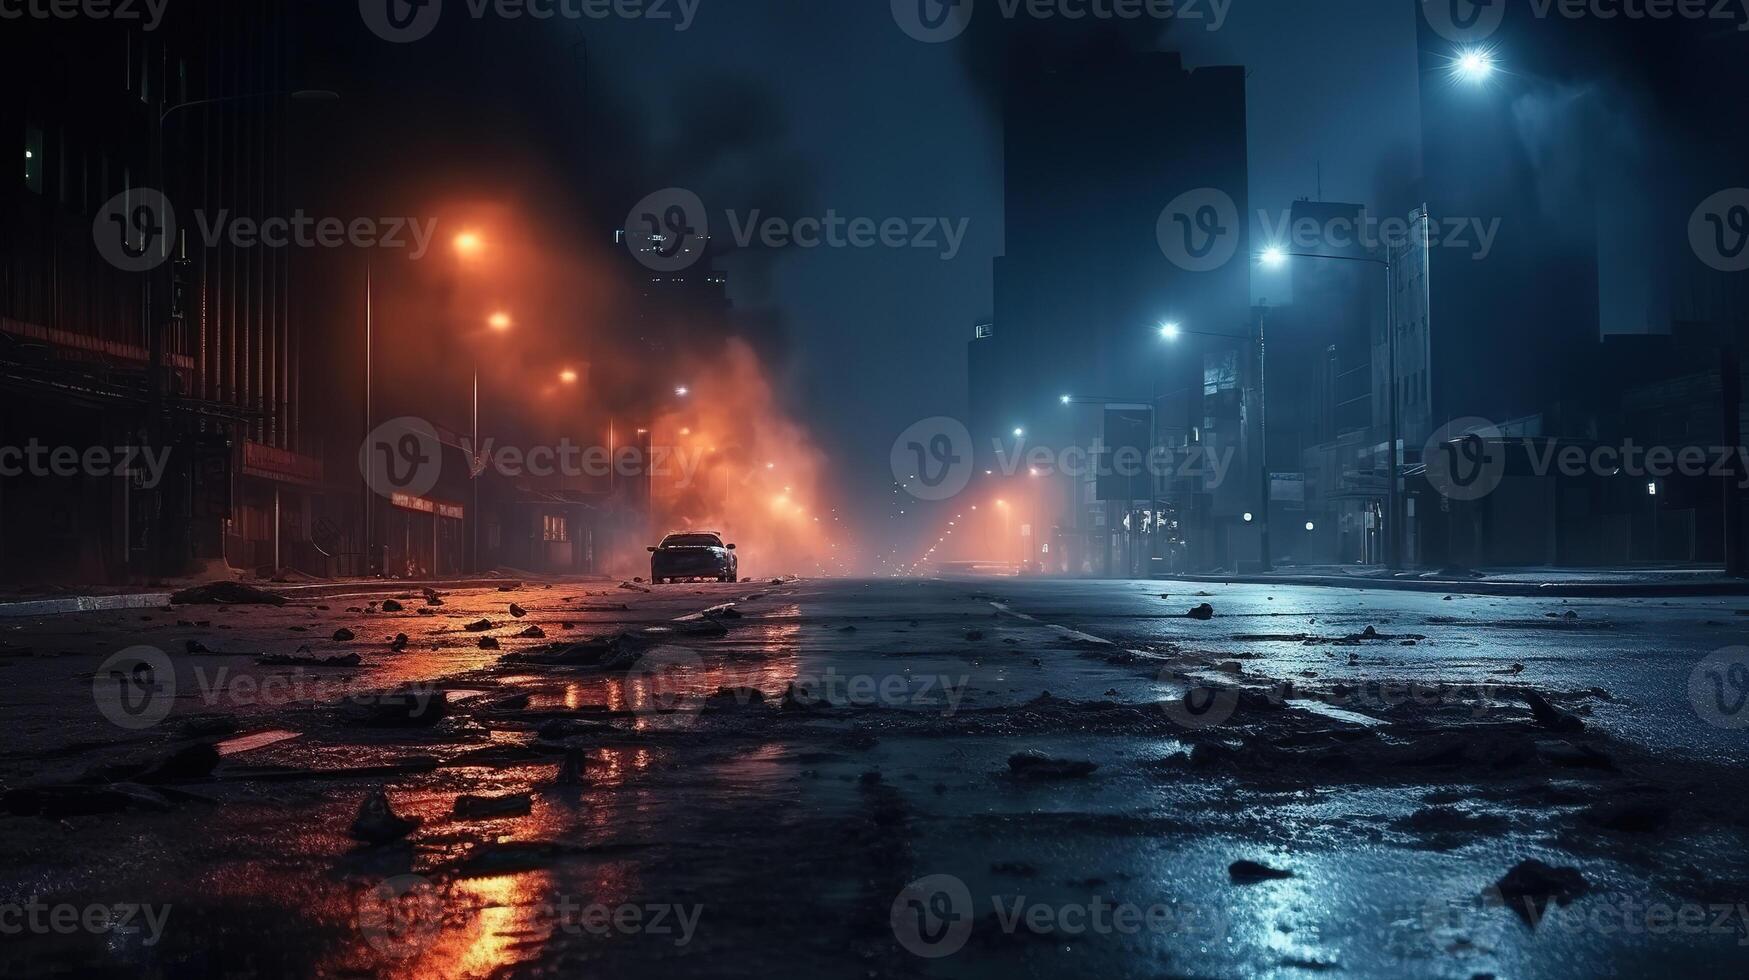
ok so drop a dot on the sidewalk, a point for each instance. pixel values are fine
(1625, 582)
(13, 606)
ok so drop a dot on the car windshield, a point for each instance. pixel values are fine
(692, 541)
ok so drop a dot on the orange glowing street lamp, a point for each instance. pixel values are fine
(469, 244)
(499, 321)
(568, 376)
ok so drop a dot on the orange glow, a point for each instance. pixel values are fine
(468, 244)
(568, 376)
(499, 321)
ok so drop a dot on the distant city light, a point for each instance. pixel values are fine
(1170, 330)
(1018, 432)
(499, 321)
(467, 243)
(1067, 399)
(682, 391)
(1274, 256)
(568, 376)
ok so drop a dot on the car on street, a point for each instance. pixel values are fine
(693, 555)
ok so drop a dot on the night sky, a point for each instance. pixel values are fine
(795, 107)
(889, 126)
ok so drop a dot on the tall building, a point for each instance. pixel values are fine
(1590, 150)
(195, 358)
(1096, 149)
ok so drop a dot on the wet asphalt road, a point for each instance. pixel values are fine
(870, 824)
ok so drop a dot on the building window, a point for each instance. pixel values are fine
(554, 529)
(33, 159)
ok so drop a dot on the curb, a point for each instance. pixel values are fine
(157, 600)
(1571, 590)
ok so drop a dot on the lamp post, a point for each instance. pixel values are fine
(1275, 256)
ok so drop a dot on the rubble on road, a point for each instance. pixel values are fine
(285, 660)
(1549, 716)
(574, 771)
(226, 594)
(1531, 885)
(1628, 816)
(1033, 764)
(74, 800)
(378, 824)
(396, 709)
(1244, 872)
(493, 807)
(616, 652)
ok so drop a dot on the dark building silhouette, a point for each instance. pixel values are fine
(198, 357)
(1096, 148)
(1593, 145)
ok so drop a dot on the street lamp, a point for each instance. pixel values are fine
(682, 391)
(568, 376)
(1019, 432)
(1170, 330)
(1273, 256)
(499, 322)
(1474, 65)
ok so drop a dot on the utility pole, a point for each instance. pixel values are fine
(1264, 563)
(1393, 496)
(1731, 389)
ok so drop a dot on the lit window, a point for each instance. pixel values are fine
(554, 529)
(33, 159)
